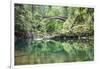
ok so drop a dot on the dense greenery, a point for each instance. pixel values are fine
(54, 20)
(52, 34)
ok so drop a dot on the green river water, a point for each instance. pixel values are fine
(28, 51)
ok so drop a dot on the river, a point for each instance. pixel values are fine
(28, 51)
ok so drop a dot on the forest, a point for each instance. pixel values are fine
(50, 30)
(34, 21)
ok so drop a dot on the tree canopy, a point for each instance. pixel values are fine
(54, 20)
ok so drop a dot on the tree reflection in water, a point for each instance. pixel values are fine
(28, 51)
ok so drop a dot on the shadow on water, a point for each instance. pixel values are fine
(28, 51)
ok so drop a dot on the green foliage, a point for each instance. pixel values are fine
(55, 25)
(84, 28)
(23, 18)
(80, 20)
(30, 18)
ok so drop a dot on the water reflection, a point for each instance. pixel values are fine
(28, 51)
